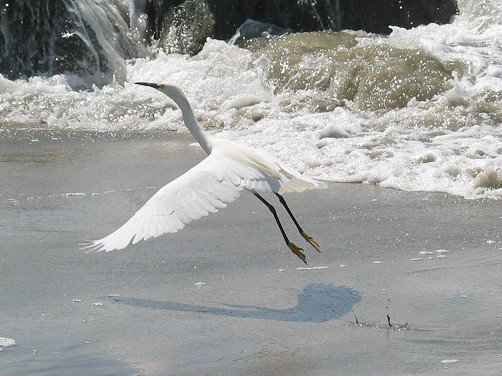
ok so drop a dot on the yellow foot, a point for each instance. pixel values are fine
(298, 251)
(312, 241)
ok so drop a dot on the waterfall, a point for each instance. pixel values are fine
(87, 40)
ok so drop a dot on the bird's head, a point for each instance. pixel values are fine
(177, 95)
(154, 85)
(172, 91)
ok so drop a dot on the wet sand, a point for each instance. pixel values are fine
(224, 296)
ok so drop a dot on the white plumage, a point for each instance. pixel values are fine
(209, 186)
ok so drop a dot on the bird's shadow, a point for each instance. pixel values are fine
(316, 303)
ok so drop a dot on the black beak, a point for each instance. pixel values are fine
(155, 86)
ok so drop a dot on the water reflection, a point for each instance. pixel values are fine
(316, 303)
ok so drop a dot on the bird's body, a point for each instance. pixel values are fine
(209, 186)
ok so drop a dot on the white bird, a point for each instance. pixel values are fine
(216, 181)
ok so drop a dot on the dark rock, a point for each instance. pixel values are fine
(193, 21)
(220, 19)
(185, 27)
(377, 16)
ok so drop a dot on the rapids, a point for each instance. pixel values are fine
(418, 110)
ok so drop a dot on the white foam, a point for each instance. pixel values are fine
(312, 267)
(7, 342)
(451, 143)
(449, 361)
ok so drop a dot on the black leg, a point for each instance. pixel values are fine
(308, 238)
(294, 248)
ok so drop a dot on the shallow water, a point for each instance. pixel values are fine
(223, 296)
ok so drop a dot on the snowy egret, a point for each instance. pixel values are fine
(209, 186)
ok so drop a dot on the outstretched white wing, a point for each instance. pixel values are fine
(202, 190)
(207, 187)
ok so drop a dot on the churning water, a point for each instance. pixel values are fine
(419, 110)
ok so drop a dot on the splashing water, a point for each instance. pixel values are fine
(419, 110)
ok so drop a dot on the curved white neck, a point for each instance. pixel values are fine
(189, 118)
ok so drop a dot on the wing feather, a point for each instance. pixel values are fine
(202, 190)
(261, 171)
